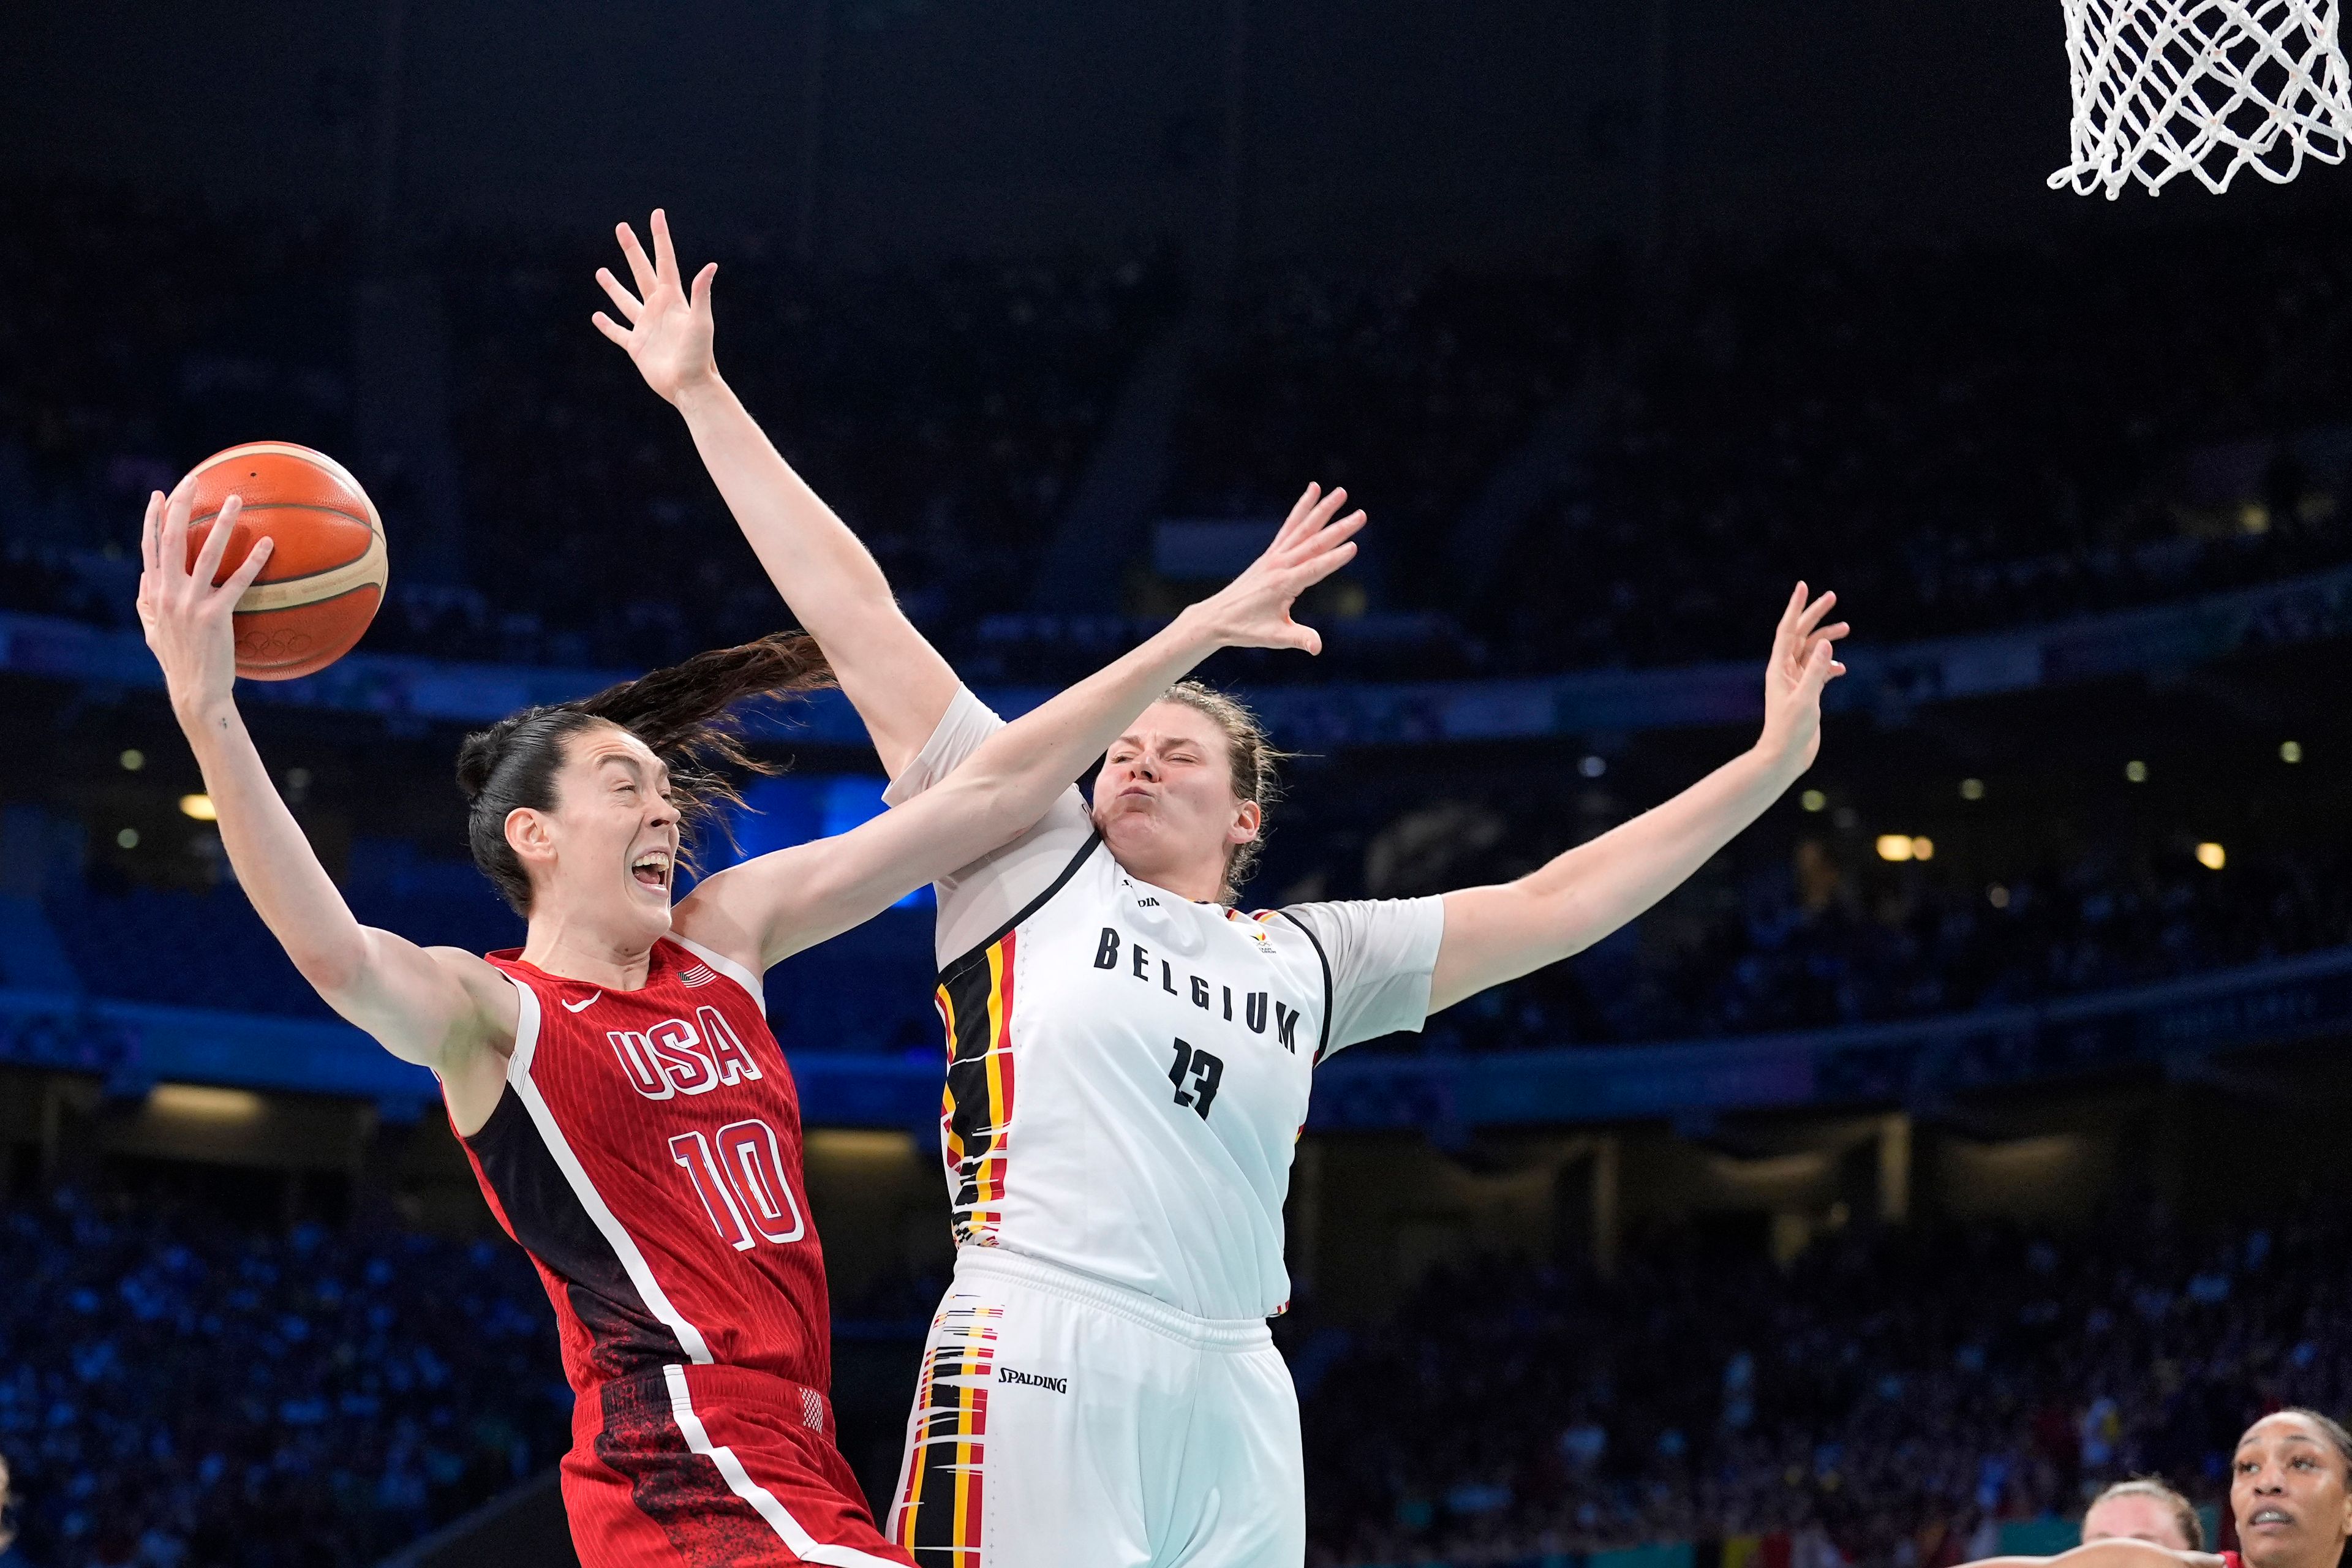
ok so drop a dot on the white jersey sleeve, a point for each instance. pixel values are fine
(979, 901)
(1380, 954)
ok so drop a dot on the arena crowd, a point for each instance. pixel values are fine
(1889, 1399)
(176, 1390)
(1958, 439)
(322, 1395)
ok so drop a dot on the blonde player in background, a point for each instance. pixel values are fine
(7, 1512)
(2144, 1508)
(1129, 1057)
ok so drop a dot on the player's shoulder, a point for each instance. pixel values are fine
(689, 959)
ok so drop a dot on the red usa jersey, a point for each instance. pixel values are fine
(646, 1153)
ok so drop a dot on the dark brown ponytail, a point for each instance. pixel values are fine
(683, 715)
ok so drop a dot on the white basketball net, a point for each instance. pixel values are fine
(2164, 87)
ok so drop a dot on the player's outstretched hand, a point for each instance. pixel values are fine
(1804, 660)
(669, 326)
(185, 605)
(1253, 609)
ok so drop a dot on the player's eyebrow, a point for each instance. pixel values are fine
(621, 757)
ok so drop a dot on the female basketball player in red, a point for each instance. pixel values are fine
(614, 1082)
(2290, 1494)
(1130, 1058)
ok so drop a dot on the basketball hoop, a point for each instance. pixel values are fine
(2164, 87)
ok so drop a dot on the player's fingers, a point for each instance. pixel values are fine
(171, 542)
(1832, 632)
(1299, 510)
(1784, 635)
(1818, 661)
(1325, 509)
(1334, 535)
(628, 304)
(610, 327)
(248, 569)
(701, 298)
(1321, 566)
(150, 530)
(208, 559)
(1813, 614)
(1304, 527)
(640, 268)
(664, 253)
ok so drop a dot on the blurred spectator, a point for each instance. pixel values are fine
(1952, 440)
(1889, 1398)
(1407, 390)
(176, 1391)
(1955, 438)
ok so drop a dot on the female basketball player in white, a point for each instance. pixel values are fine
(614, 1082)
(1129, 1059)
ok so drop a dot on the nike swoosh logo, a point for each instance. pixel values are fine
(583, 1007)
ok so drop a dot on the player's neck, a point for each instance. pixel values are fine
(557, 947)
(1200, 881)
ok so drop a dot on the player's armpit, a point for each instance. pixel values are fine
(1493, 934)
(427, 1005)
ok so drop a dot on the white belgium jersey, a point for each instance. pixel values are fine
(1129, 1068)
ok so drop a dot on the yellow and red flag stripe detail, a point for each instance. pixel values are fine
(939, 1515)
(975, 1003)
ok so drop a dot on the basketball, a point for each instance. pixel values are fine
(324, 583)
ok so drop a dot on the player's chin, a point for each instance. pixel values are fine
(1131, 822)
(649, 902)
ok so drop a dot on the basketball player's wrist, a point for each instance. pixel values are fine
(204, 713)
(1195, 630)
(1773, 766)
(702, 393)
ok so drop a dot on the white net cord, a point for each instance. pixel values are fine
(2164, 87)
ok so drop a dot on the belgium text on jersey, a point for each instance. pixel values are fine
(1203, 993)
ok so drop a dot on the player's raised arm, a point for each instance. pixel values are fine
(428, 1006)
(891, 674)
(776, 904)
(1500, 932)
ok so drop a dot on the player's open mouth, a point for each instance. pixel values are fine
(651, 869)
(2270, 1516)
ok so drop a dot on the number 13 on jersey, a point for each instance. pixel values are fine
(1195, 1074)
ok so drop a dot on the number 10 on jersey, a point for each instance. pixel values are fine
(739, 1175)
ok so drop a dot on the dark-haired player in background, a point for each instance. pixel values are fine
(627, 1111)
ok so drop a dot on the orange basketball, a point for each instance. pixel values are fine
(326, 577)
